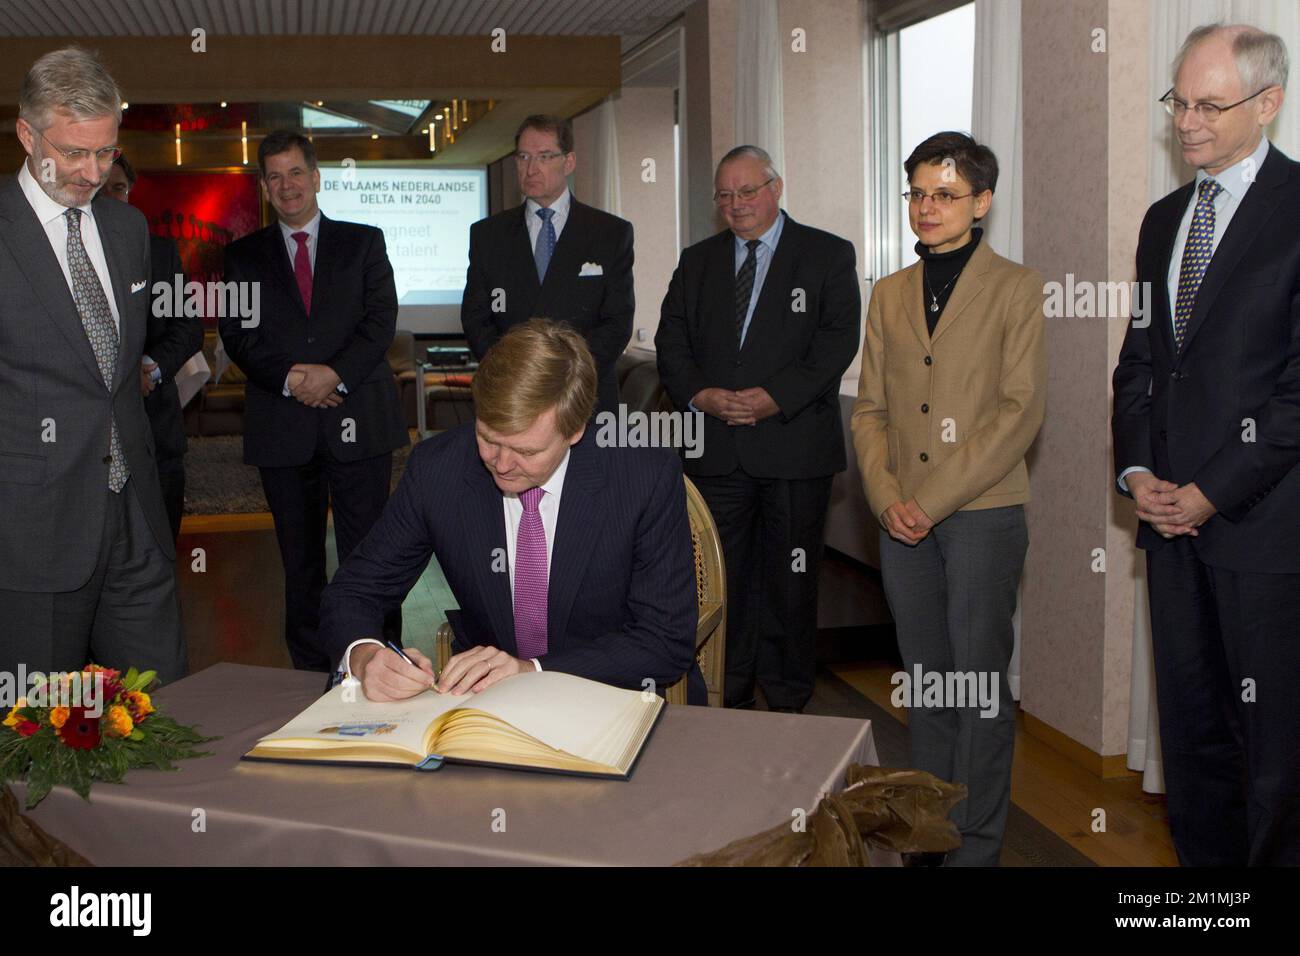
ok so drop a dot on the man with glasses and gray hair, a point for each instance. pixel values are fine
(86, 552)
(759, 324)
(1206, 428)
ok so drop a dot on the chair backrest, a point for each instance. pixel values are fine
(710, 592)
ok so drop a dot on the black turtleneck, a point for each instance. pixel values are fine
(939, 272)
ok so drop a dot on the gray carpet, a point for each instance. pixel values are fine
(217, 482)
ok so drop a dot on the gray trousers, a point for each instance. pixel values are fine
(126, 615)
(952, 597)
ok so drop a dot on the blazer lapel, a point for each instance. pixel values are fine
(327, 254)
(914, 305)
(1256, 208)
(277, 253)
(30, 247)
(521, 255)
(1165, 314)
(115, 243)
(969, 285)
(582, 515)
(485, 539)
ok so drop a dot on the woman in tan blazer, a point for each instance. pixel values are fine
(949, 400)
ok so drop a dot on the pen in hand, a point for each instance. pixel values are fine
(402, 654)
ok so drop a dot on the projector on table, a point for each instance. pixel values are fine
(450, 358)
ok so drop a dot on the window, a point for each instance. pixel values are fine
(923, 78)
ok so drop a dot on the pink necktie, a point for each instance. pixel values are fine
(530, 578)
(302, 269)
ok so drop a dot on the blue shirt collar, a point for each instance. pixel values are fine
(1236, 179)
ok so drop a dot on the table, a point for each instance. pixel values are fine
(707, 776)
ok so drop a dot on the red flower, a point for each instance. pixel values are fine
(79, 731)
(26, 728)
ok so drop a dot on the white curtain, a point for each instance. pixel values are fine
(996, 118)
(996, 122)
(1170, 23)
(759, 109)
(605, 191)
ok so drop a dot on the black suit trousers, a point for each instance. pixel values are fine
(772, 532)
(1227, 659)
(299, 497)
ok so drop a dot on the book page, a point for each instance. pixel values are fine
(401, 723)
(580, 717)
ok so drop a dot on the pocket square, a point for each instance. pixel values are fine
(591, 269)
(137, 286)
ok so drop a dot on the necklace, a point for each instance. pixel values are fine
(934, 299)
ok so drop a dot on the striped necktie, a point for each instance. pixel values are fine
(97, 320)
(745, 288)
(1196, 257)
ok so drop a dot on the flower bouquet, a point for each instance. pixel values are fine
(79, 727)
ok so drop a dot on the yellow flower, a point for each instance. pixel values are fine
(13, 718)
(119, 721)
(58, 716)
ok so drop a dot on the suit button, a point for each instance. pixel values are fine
(924, 456)
(311, 338)
(739, 363)
(925, 408)
(928, 360)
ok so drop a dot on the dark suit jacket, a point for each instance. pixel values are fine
(797, 347)
(621, 597)
(598, 306)
(170, 341)
(54, 492)
(1183, 414)
(353, 318)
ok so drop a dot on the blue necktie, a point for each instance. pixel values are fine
(545, 243)
(1196, 257)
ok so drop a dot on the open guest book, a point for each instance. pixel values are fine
(544, 720)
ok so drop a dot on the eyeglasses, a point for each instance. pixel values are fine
(1209, 112)
(940, 197)
(524, 159)
(103, 156)
(723, 196)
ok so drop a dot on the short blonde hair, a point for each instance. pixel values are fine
(535, 366)
(71, 79)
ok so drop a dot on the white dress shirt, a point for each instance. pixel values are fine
(50, 213)
(1236, 180)
(534, 221)
(312, 228)
(549, 510)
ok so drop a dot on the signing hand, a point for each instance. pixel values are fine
(759, 402)
(385, 676)
(725, 404)
(316, 387)
(146, 383)
(478, 669)
(1155, 504)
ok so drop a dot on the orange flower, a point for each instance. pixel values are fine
(58, 716)
(139, 704)
(119, 722)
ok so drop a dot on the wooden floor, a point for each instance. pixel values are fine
(1058, 793)
(232, 599)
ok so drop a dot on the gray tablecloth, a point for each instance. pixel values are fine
(707, 777)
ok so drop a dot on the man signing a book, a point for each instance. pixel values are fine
(563, 554)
